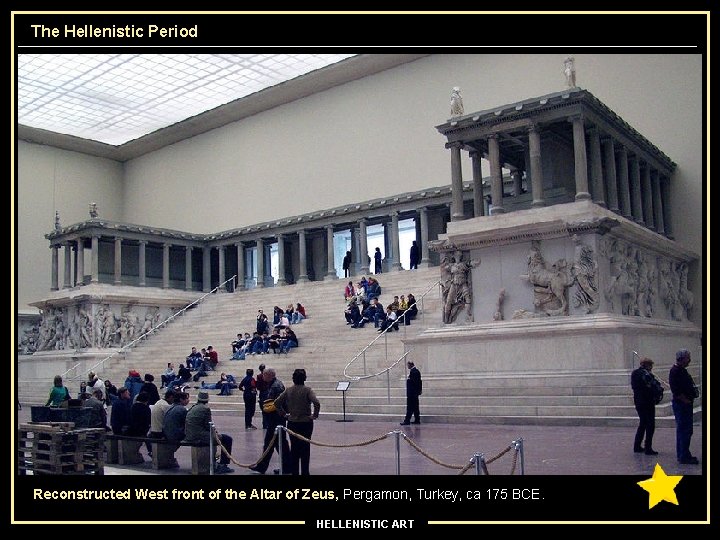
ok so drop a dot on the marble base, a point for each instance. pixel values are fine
(537, 349)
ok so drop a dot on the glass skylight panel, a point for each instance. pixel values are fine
(120, 97)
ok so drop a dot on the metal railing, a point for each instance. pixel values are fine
(400, 321)
(146, 334)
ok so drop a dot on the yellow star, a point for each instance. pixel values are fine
(661, 487)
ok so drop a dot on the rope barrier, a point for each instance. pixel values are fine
(328, 445)
(461, 468)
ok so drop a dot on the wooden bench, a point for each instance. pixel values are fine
(125, 450)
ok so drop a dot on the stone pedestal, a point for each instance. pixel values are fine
(200, 459)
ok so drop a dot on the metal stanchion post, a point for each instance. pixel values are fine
(476, 459)
(397, 450)
(212, 452)
(364, 364)
(522, 456)
(388, 378)
(483, 465)
(386, 351)
(278, 435)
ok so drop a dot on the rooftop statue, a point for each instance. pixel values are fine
(456, 103)
(93, 210)
(570, 72)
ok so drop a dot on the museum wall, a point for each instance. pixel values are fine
(51, 179)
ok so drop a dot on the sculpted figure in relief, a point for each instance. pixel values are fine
(549, 284)
(152, 317)
(584, 272)
(685, 296)
(459, 291)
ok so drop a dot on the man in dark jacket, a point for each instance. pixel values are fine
(272, 419)
(414, 255)
(643, 384)
(120, 411)
(414, 390)
(683, 391)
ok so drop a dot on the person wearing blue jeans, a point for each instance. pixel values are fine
(684, 392)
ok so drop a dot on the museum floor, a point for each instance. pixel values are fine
(548, 450)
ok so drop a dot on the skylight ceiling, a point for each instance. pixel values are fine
(115, 98)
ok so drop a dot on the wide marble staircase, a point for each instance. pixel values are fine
(327, 344)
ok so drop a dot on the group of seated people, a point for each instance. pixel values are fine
(365, 290)
(401, 311)
(280, 340)
(168, 419)
(281, 318)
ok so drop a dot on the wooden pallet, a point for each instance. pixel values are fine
(58, 448)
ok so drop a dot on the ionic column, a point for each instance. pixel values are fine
(610, 174)
(624, 183)
(647, 198)
(666, 207)
(516, 176)
(281, 260)
(364, 264)
(424, 227)
(80, 265)
(67, 278)
(141, 263)
(118, 261)
(496, 187)
(658, 203)
(260, 262)
(221, 264)
(536, 174)
(596, 172)
(457, 185)
(166, 266)
(302, 246)
(54, 268)
(73, 278)
(478, 201)
(396, 265)
(188, 268)
(331, 273)
(240, 266)
(94, 259)
(206, 269)
(580, 151)
(636, 194)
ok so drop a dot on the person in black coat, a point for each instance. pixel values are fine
(378, 261)
(643, 383)
(414, 255)
(414, 390)
(346, 263)
(684, 392)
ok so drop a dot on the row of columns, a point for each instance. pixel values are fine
(79, 255)
(633, 189)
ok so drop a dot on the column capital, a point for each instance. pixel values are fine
(330, 227)
(533, 127)
(579, 117)
(457, 145)
(167, 244)
(143, 242)
(280, 236)
(239, 244)
(118, 238)
(493, 136)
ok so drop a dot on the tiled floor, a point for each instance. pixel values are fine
(554, 450)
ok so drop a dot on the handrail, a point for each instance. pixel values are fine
(384, 332)
(153, 329)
